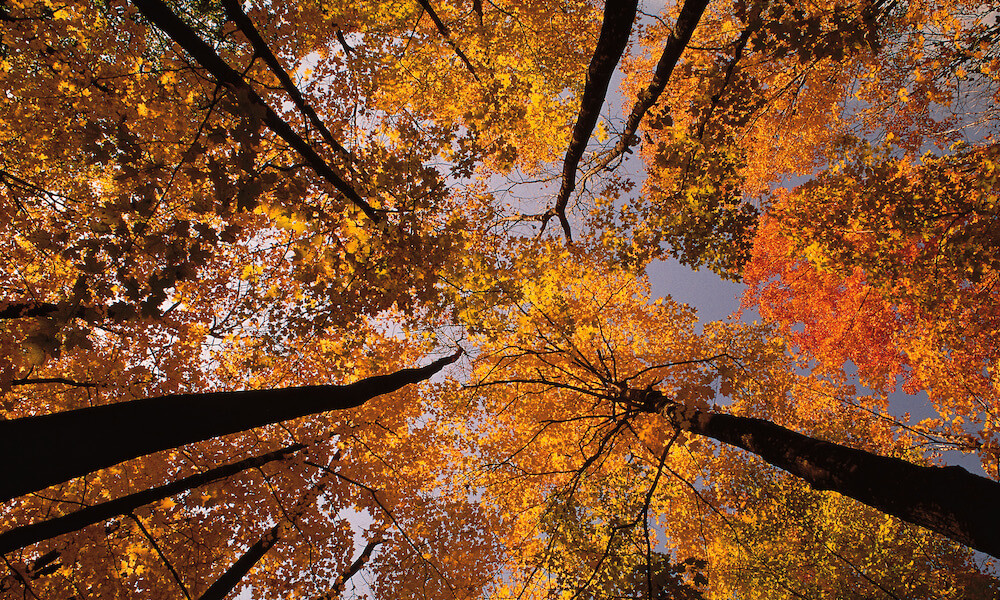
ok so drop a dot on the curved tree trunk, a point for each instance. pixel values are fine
(37, 452)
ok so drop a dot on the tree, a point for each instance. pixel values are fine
(229, 211)
(897, 264)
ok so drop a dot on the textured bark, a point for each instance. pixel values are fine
(45, 450)
(615, 30)
(162, 17)
(948, 500)
(229, 580)
(25, 535)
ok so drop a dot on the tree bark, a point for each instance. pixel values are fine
(45, 450)
(949, 500)
(615, 30)
(25, 535)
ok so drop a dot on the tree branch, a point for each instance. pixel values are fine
(231, 578)
(245, 25)
(687, 20)
(163, 557)
(25, 535)
(62, 380)
(446, 34)
(24, 310)
(356, 566)
(615, 30)
(162, 17)
(948, 500)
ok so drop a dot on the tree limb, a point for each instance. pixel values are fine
(678, 40)
(235, 11)
(446, 34)
(162, 17)
(232, 577)
(948, 500)
(62, 380)
(25, 535)
(615, 30)
(356, 566)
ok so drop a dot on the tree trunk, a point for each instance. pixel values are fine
(225, 584)
(949, 500)
(37, 452)
(615, 30)
(25, 535)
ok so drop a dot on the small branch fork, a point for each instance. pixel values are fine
(678, 40)
(615, 30)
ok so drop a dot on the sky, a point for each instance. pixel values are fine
(714, 298)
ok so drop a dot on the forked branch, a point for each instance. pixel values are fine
(678, 40)
(615, 30)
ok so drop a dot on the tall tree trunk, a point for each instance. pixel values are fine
(615, 30)
(37, 452)
(25, 535)
(949, 500)
(225, 584)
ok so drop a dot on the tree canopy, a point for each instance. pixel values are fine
(321, 300)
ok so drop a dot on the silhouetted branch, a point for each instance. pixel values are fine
(44, 450)
(615, 30)
(231, 578)
(356, 566)
(62, 380)
(25, 535)
(235, 11)
(443, 29)
(160, 15)
(687, 20)
(948, 500)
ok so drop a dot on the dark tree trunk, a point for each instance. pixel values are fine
(687, 20)
(615, 30)
(225, 584)
(25, 535)
(37, 452)
(949, 500)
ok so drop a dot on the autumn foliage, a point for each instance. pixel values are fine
(382, 268)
